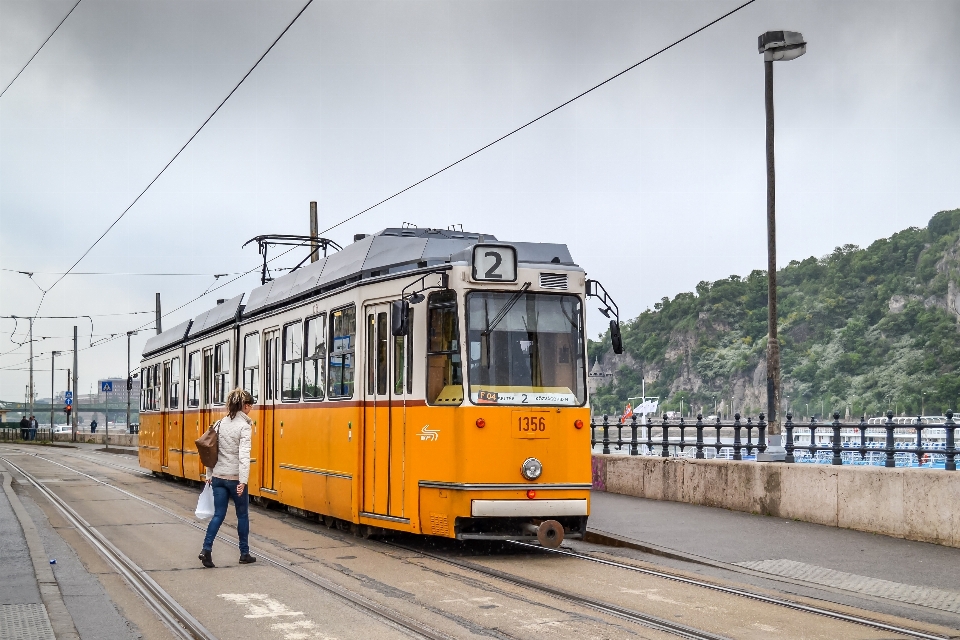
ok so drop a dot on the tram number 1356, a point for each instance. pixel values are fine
(531, 425)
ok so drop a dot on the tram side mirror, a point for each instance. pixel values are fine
(615, 338)
(399, 312)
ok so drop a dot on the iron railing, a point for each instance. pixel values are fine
(666, 437)
(13, 434)
(891, 444)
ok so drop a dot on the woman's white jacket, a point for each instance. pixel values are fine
(233, 458)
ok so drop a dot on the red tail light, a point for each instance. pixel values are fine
(531, 494)
(578, 424)
(481, 423)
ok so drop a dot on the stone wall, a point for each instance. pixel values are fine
(118, 439)
(917, 504)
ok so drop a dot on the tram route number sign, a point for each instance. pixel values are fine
(494, 263)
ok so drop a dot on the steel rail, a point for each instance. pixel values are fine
(647, 620)
(163, 604)
(827, 613)
(371, 607)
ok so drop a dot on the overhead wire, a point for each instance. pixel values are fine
(176, 155)
(402, 191)
(10, 84)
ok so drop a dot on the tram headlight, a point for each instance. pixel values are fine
(531, 469)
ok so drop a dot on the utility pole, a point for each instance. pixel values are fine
(53, 367)
(31, 368)
(159, 326)
(129, 379)
(76, 389)
(314, 234)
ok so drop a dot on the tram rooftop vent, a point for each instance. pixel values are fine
(553, 281)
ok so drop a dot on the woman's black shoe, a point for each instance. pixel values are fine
(247, 559)
(206, 559)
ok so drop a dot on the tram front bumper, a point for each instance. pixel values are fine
(527, 508)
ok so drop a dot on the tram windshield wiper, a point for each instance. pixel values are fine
(497, 319)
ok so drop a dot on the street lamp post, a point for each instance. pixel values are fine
(774, 45)
(129, 378)
(53, 368)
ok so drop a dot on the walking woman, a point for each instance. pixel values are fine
(229, 476)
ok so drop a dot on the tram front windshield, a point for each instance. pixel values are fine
(525, 348)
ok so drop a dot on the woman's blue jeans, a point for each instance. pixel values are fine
(223, 490)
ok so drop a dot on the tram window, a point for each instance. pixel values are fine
(193, 379)
(207, 377)
(251, 364)
(525, 348)
(377, 353)
(221, 372)
(403, 358)
(313, 356)
(174, 385)
(292, 361)
(156, 389)
(143, 389)
(343, 336)
(444, 375)
(166, 384)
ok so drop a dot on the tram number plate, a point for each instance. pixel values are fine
(532, 424)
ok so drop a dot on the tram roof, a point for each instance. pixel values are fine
(391, 250)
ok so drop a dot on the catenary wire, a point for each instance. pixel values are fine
(542, 116)
(419, 182)
(177, 154)
(38, 50)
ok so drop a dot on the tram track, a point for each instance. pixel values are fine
(167, 608)
(597, 605)
(170, 612)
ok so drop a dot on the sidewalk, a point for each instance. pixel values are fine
(890, 575)
(42, 600)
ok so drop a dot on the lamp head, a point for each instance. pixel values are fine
(781, 45)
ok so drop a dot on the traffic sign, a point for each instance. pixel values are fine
(106, 386)
(68, 398)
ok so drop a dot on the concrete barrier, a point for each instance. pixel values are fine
(118, 439)
(916, 504)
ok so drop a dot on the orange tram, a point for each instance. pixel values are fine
(419, 380)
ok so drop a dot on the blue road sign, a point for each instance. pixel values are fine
(68, 398)
(106, 386)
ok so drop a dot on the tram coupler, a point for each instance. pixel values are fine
(548, 532)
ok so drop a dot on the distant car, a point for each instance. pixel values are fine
(63, 428)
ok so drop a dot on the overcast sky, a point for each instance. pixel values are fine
(655, 181)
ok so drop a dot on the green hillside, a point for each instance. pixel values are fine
(866, 329)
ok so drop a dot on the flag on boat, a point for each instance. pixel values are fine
(627, 413)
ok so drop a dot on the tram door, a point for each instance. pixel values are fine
(383, 441)
(271, 393)
(171, 456)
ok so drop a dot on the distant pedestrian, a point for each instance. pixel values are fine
(24, 428)
(93, 426)
(34, 425)
(229, 476)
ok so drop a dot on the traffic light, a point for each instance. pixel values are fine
(129, 383)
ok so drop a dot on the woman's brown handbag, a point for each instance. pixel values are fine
(208, 446)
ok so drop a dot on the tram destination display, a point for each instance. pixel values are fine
(494, 263)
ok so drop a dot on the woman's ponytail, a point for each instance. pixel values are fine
(235, 401)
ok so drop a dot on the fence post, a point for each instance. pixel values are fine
(789, 444)
(951, 463)
(606, 434)
(863, 437)
(736, 437)
(717, 445)
(665, 443)
(749, 435)
(649, 426)
(593, 432)
(633, 436)
(699, 436)
(836, 439)
(920, 450)
(683, 438)
(762, 436)
(620, 434)
(889, 462)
